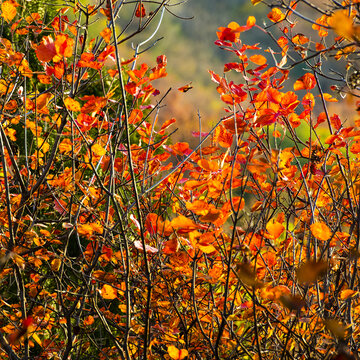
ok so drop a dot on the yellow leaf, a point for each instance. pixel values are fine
(98, 150)
(8, 10)
(36, 338)
(274, 228)
(177, 354)
(342, 24)
(321, 231)
(255, 2)
(108, 292)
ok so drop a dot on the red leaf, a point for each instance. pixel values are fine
(140, 11)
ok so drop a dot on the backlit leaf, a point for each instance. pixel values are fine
(42, 100)
(108, 292)
(276, 15)
(106, 35)
(177, 354)
(8, 10)
(258, 59)
(72, 104)
(321, 231)
(274, 228)
(306, 82)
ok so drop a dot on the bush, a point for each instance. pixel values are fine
(116, 243)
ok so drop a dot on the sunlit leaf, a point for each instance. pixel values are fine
(258, 59)
(274, 228)
(106, 35)
(185, 88)
(108, 292)
(321, 231)
(72, 104)
(89, 320)
(306, 82)
(42, 100)
(276, 15)
(177, 354)
(171, 246)
(8, 10)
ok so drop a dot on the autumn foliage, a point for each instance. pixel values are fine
(117, 243)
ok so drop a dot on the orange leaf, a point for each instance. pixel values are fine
(42, 100)
(171, 246)
(106, 35)
(8, 10)
(55, 264)
(46, 50)
(89, 320)
(135, 116)
(185, 88)
(347, 294)
(300, 39)
(208, 165)
(64, 45)
(251, 21)
(199, 207)
(258, 59)
(72, 104)
(184, 224)
(274, 228)
(306, 82)
(321, 231)
(276, 15)
(108, 292)
(177, 354)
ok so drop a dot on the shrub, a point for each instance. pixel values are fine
(116, 243)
